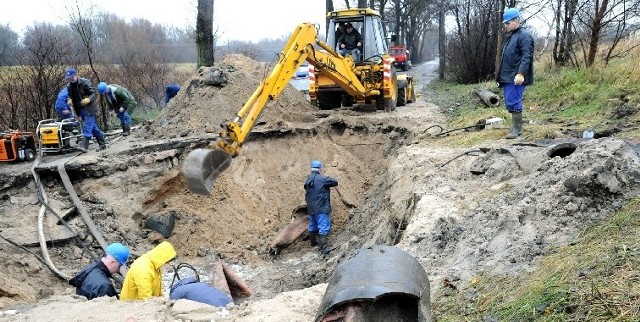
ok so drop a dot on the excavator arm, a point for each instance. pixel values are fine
(202, 166)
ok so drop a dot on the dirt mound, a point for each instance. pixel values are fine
(200, 107)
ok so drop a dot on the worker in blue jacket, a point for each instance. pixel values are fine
(170, 91)
(318, 198)
(516, 67)
(94, 280)
(189, 288)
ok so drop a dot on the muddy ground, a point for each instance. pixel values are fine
(493, 211)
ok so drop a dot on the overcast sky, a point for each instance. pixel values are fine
(248, 20)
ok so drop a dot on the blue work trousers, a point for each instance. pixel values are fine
(89, 126)
(124, 117)
(320, 223)
(513, 97)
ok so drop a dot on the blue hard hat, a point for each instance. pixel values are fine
(510, 14)
(316, 164)
(102, 87)
(119, 252)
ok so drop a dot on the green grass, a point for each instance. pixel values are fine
(596, 279)
(561, 103)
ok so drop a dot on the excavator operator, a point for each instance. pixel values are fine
(350, 42)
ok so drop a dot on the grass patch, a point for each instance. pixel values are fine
(595, 279)
(561, 103)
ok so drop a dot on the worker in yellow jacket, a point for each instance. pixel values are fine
(144, 278)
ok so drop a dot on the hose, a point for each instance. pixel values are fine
(457, 156)
(177, 275)
(41, 212)
(40, 259)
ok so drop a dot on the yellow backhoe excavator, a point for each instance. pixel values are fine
(335, 81)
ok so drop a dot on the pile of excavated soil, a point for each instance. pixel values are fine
(200, 107)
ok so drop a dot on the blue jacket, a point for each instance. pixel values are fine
(190, 289)
(61, 104)
(318, 195)
(170, 91)
(517, 58)
(93, 281)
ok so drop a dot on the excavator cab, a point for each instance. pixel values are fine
(368, 23)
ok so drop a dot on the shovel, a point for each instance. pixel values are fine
(202, 167)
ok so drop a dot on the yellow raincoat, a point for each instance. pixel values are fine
(144, 278)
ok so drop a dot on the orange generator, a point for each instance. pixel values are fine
(16, 145)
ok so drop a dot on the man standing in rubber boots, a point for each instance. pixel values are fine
(82, 96)
(516, 67)
(318, 197)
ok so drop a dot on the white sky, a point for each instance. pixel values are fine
(248, 20)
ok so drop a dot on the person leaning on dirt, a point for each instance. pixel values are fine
(191, 289)
(516, 68)
(120, 101)
(82, 96)
(144, 278)
(350, 41)
(318, 198)
(94, 280)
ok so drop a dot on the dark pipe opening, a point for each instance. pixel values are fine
(562, 150)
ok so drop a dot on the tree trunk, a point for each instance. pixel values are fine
(441, 40)
(596, 26)
(204, 33)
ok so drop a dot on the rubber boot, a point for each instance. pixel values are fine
(516, 117)
(126, 129)
(101, 143)
(322, 244)
(313, 238)
(84, 146)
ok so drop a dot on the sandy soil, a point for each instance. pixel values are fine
(493, 212)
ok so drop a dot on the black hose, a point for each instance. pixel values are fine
(177, 275)
(457, 156)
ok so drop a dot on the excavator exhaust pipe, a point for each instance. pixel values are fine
(202, 167)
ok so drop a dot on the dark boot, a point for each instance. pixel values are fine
(313, 236)
(322, 244)
(84, 146)
(126, 129)
(101, 143)
(516, 129)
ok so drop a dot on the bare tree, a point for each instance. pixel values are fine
(8, 45)
(28, 92)
(204, 33)
(563, 45)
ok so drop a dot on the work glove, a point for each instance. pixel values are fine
(85, 101)
(519, 79)
(70, 102)
(359, 44)
(65, 112)
(121, 109)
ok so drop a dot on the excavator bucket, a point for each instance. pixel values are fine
(202, 167)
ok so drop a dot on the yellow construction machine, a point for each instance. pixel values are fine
(335, 81)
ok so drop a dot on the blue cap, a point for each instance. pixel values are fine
(70, 72)
(119, 252)
(510, 14)
(102, 87)
(316, 164)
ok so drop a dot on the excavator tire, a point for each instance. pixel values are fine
(402, 93)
